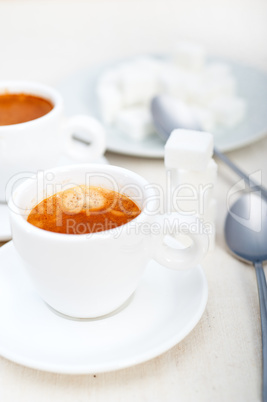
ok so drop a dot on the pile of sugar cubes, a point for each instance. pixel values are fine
(208, 88)
(192, 175)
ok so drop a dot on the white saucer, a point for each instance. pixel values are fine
(5, 229)
(164, 309)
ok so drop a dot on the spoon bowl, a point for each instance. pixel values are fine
(246, 228)
(246, 236)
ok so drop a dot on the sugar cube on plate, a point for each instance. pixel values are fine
(180, 83)
(135, 122)
(219, 88)
(109, 101)
(228, 111)
(204, 116)
(189, 56)
(109, 77)
(216, 71)
(138, 83)
(188, 149)
(210, 89)
(172, 82)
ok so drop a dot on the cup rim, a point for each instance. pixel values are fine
(32, 88)
(26, 226)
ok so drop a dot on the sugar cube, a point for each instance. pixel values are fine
(189, 56)
(109, 77)
(188, 149)
(135, 122)
(110, 102)
(217, 88)
(216, 71)
(228, 111)
(190, 200)
(193, 189)
(210, 89)
(180, 83)
(198, 178)
(138, 83)
(171, 82)
(204, 116)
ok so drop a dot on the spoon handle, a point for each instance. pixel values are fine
(251, 183)
(262, 288)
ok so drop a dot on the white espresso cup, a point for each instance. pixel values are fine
(91, 275)
(40, 143)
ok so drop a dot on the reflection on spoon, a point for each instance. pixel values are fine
(246, 237)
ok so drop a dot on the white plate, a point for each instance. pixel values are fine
(79, 97)
(164, 309)
(5, 229)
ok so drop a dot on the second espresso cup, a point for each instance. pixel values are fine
(91, 275)
(39, 143)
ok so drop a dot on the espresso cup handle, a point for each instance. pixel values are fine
(85, 138)
(174, 257)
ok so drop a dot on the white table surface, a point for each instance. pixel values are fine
(220, 360)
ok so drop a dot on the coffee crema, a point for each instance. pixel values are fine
(83, 209)
(20, 108)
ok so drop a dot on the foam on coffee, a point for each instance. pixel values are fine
(83, 209)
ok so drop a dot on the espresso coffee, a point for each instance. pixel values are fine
(20, 108)
(83, 209)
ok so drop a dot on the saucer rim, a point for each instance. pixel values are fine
(117, 364)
